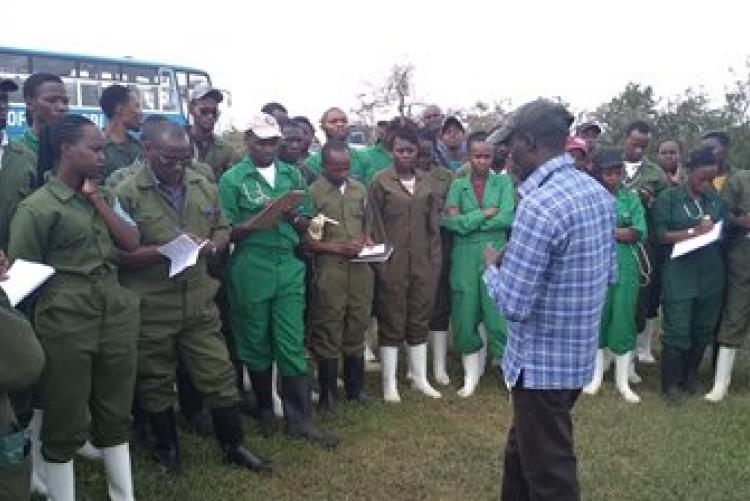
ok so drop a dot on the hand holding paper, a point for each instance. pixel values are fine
(687, 246)
(23, 278)
(183, 252)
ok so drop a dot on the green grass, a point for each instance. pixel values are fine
(450, 449)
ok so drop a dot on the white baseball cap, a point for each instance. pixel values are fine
(263, 126)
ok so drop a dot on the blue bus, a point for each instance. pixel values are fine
(163, 88)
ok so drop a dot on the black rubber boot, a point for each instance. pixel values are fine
(228, 426)
(263, 401)
(354, 379)
(191, 403)
(672, 368)
(327, 375)
(167, 451)
(298, 412)
(693, 361)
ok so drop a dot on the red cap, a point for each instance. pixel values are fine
(576, 143)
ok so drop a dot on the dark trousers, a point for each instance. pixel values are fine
(540, 464)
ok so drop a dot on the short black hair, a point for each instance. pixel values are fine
(640, 125)
(607, 158)
(303, 121)
(154, 126)
(273, 106)
(67, 130)
(332, 146)
(113, 96)
(407, 134)
(675, 141)
(702, 157)
(36, 80)
(720, 136)
(479, 136)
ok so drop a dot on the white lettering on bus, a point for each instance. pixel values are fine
(17, 118)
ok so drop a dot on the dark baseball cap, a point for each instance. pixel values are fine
(7, 85)
(452, 121)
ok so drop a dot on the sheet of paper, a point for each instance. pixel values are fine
(687, 246)
(371, 250)
(182, 253)
(23, 278)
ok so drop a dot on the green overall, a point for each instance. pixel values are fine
(377, 159)
(265, 280)
(218, 155)
(473, 232)
(358, 166)
(736, 317)
(21, 362)
(17, 178)
(119, 155)
(342, 291)
(617, 329)
(441, 311)
(178, 314)
(86, 322)
(693, 284)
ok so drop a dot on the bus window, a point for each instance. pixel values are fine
(98, 71)
(71, 88)
(149, 97)
(57, 66)
(14, 64)
(140, 74)
(195, 79)
(167, 90)
(90, 93)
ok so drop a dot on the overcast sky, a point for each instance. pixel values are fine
(310, 55)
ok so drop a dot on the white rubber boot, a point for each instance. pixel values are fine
(418, 357)
(371, 340)
(483, 351)
(622, 368)
(88, 451)
(119, 476)
(643, 343)
(439, 355)
(633, 377)
(471, 374)
(409, 368)
(278, 406)
(389, 364)
(596, 382)
(724, 363)
(61, 481)
(38, 472)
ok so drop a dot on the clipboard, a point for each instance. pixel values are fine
(379, 253)
(273, 212)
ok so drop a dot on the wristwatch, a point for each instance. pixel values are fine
(691, 231)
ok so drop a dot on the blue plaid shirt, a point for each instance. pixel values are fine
(551, 286)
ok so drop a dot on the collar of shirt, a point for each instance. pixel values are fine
(175, 196)
(31, 140)
(268, 173)
(544, 171)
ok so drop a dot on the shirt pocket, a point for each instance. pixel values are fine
(155, 228)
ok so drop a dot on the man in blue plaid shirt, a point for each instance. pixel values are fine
(550, 287)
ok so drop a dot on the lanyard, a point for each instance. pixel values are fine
(700, 212)
(260, 199)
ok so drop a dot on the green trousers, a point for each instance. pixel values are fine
(341, 303)
(88, 331)
(690, 322)
(617, 329)
(470, 302)
(186, 326)
(267, 301)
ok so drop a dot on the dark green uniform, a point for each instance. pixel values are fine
(178, 314)
(17, 178)
(405, 284)
(119, 155)
(693, 284)
(736, 317)
(218, 154)
(377, 159)
(617, 329)
(473, 231)
(265, 279)
(358, 166)
(342, 291)
(649, 178)
(441, 311)
(86, 322)
(21, 361)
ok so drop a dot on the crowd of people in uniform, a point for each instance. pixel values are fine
(98, 349)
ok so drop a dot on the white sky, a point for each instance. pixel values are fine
(310, 55)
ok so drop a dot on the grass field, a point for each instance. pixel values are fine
(449, 449)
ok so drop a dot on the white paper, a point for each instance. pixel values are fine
(23, 278)
(371, 250)
(182, 253)
(687, 246)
